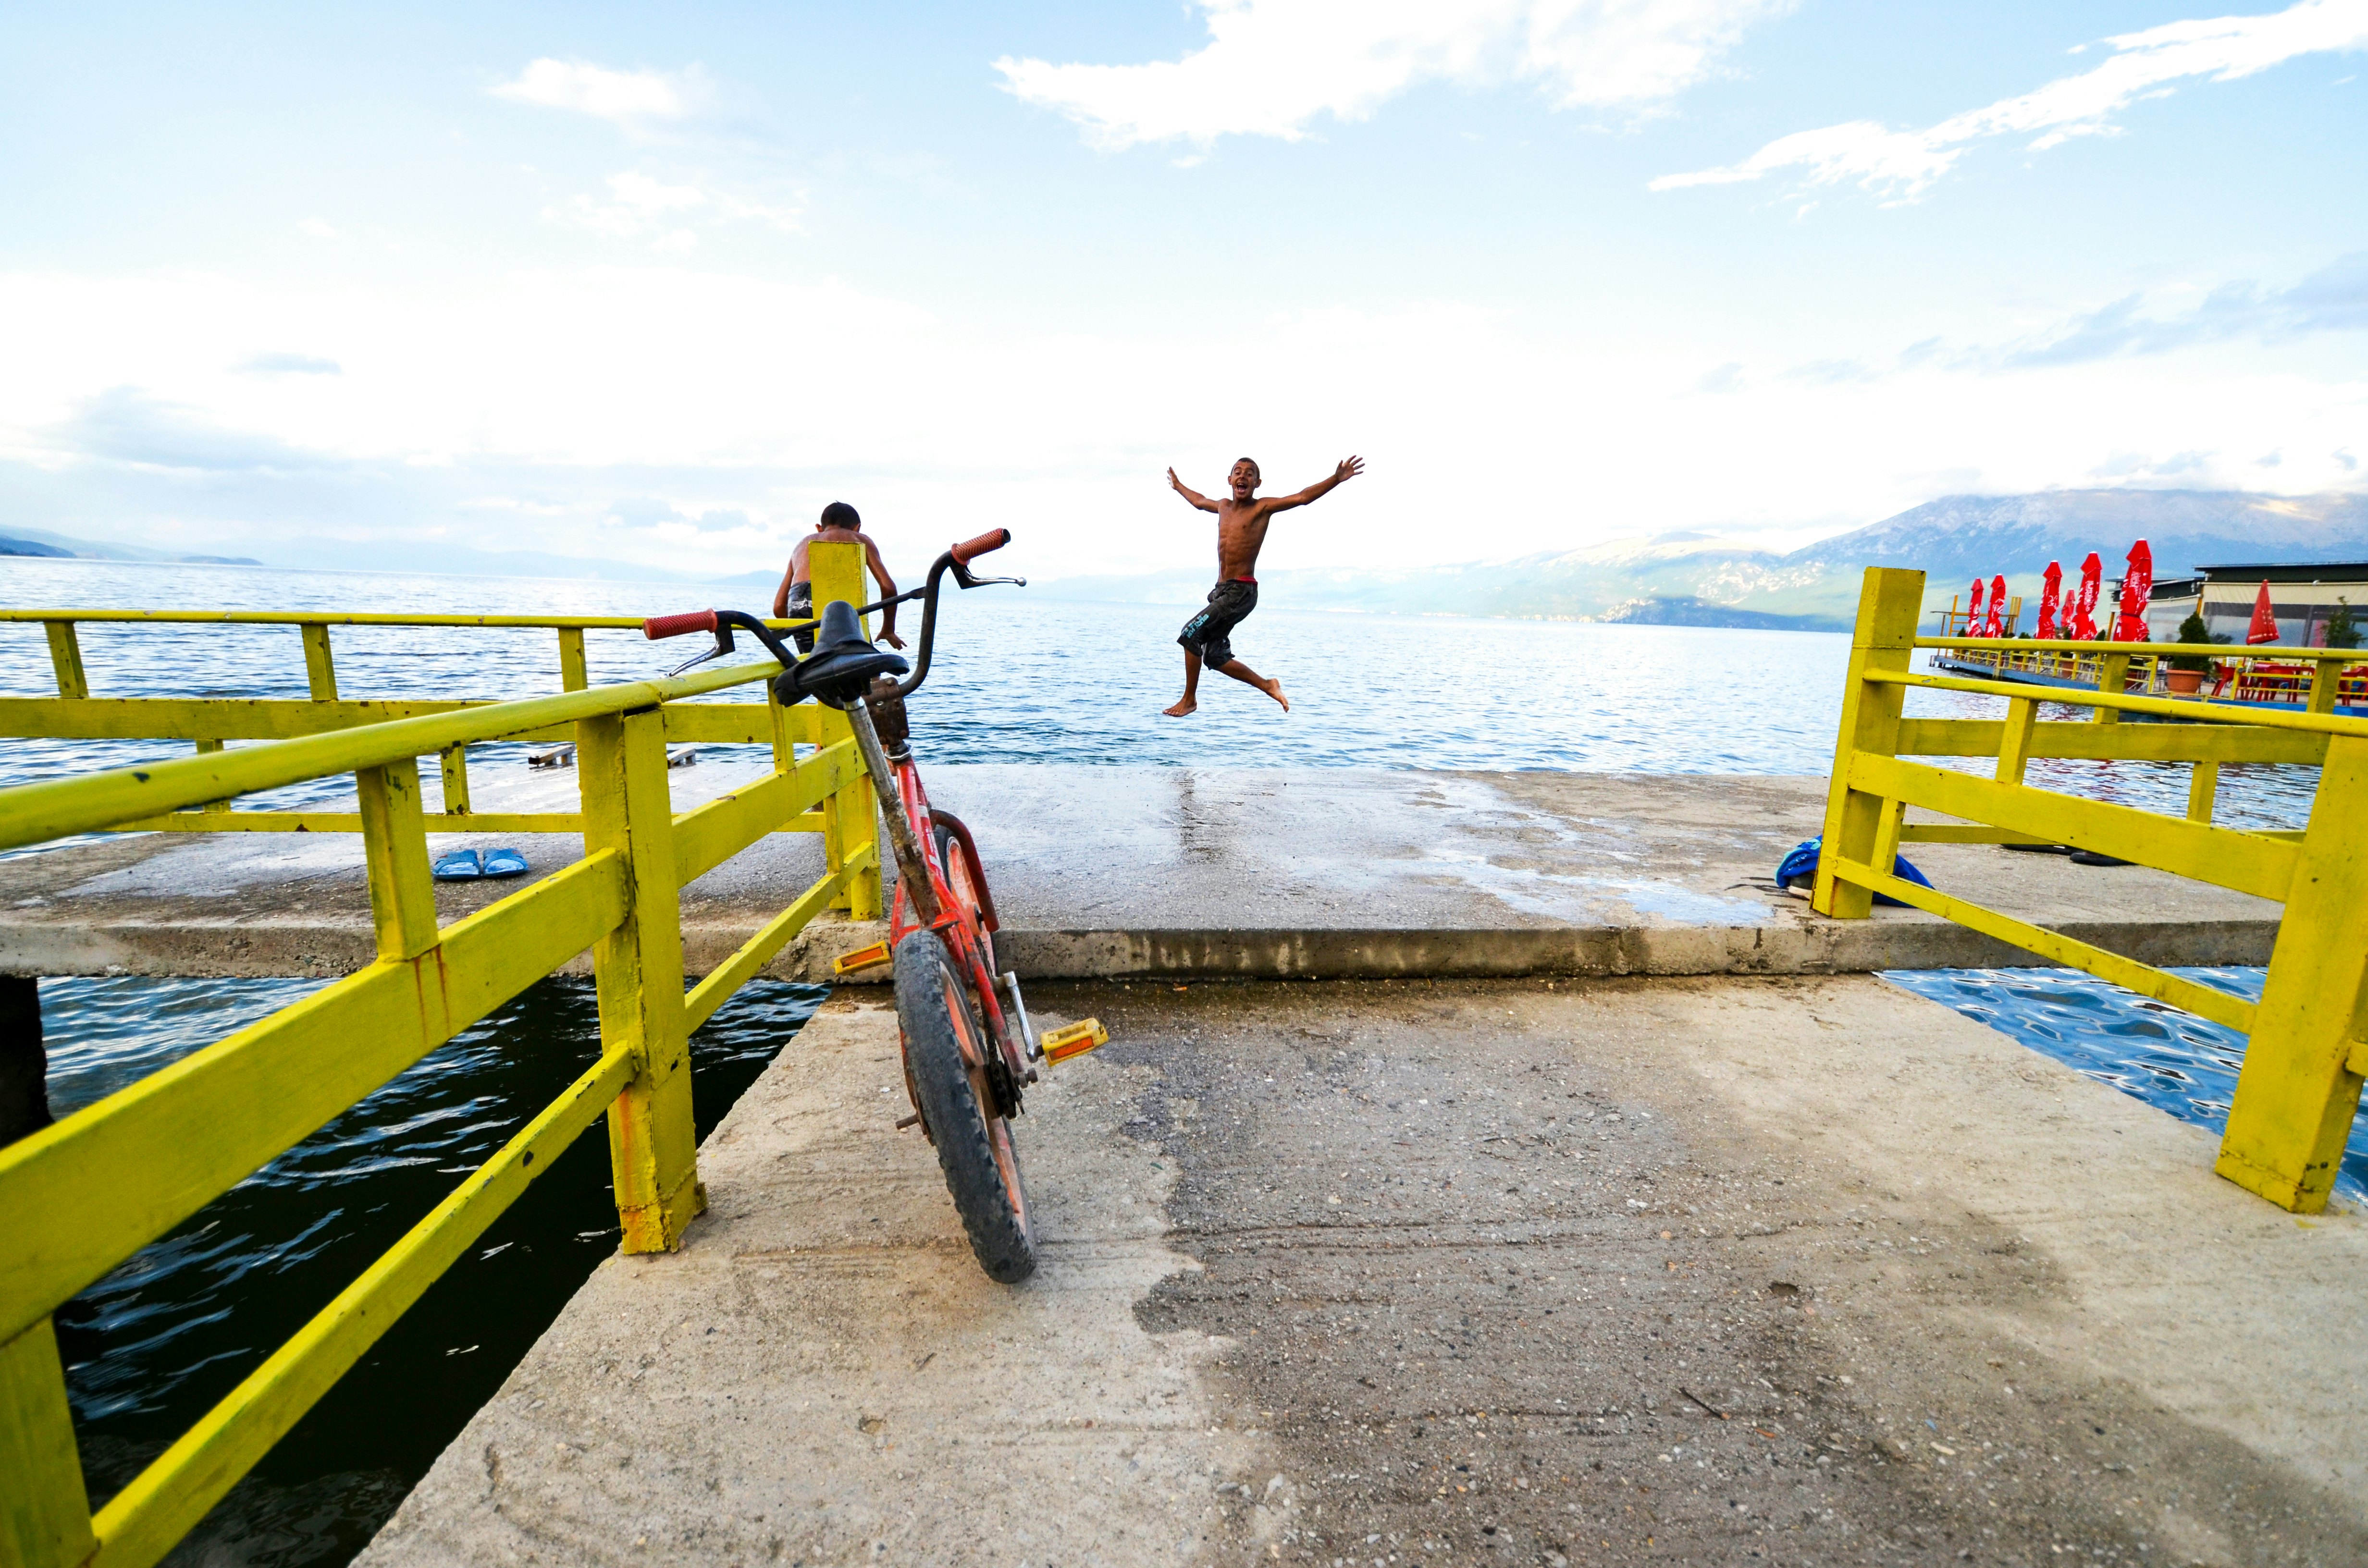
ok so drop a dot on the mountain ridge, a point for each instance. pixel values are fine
(1696, 579)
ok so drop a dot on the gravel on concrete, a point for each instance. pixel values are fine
(1716, 1271)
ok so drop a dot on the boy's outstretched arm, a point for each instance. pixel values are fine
(1347, 469)
(1190, 494)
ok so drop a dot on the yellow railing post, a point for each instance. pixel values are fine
(395, 843)
(319, 669)
(206, 747)
(1858, 825)
(637, 968)
(850, 823)
(65, 658)
(455, 761)
(2203, 789)
(2113, 679)
(2326, 686)
(2300, 1084)
(44, 1511)
(2014, 744)
(571, 659)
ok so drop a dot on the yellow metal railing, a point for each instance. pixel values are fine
(84, 1195)
(75, 714)
(2300, 1083)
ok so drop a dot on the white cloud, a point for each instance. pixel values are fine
(1905, 163)
(655, 394)
(628, 97)
(638, 204)
(1271, 67)
(314, 228)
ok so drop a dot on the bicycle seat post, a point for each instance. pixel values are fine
(912, 868)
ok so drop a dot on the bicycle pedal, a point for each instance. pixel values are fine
(861, 958)
(1075, 1040)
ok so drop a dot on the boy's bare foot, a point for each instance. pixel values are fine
(1186, 707)
(1273, 688)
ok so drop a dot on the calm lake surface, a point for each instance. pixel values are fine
(1021, 676)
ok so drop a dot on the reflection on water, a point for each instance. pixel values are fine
(2173, 1061)
(153, 1345)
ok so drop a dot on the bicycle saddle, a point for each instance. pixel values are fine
(842, 664)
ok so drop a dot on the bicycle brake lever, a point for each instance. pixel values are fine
(693, 662)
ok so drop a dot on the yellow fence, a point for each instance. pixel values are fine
(2300, 1083)
(84, 1195)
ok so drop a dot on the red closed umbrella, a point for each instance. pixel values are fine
(2137, 588)
(2265, 619)
(1994, 624)
(2077, 622)
(2054, 585)
(1973, 611)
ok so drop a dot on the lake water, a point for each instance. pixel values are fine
(1021, 676)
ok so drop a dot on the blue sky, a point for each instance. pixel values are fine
(361, 284)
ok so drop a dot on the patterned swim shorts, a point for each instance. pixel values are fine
(1211, 632)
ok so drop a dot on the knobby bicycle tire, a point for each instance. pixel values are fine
(974, 1147)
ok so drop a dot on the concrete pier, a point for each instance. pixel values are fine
(1264, 873)
(1708, 1270)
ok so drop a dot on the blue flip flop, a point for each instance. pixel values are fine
(504, 862)
(460, 866)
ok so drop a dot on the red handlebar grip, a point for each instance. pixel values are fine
(969, 548)
(676, 625)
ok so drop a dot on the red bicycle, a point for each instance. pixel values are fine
(967, 1055)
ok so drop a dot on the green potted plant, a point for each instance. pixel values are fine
(2185, 676)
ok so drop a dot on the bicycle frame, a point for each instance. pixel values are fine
(931, 896)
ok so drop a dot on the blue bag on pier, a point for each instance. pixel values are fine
(1801, 866)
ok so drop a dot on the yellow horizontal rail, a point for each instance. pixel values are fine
(700, 1004)
(341, 618)
(85, 1193)
(705, 838)
(30, 813)
(351, 822)
(278, 718)
(2190, 710)
(2203, 1001)
(2120, 743)
(161, 1503)
(2223, 857)
(2149, 650)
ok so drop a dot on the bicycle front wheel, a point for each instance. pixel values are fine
(943, 1039)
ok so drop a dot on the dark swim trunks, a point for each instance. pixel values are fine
(1211, 632)
(801, 607)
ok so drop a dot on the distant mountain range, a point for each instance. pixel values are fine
(1671, 579)
(1693, 579)
(41, 543)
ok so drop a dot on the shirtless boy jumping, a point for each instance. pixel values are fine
(839, 525)
(1241, 532)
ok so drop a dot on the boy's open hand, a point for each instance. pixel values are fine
(1174, 481)
(1349, 467)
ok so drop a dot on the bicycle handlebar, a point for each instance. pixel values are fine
(971, 550)
(722, 621)
(661, 626)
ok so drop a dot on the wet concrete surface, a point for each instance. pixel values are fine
(1256, 872)
(1708, 1270)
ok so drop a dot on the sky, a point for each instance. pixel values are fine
(377, 286)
